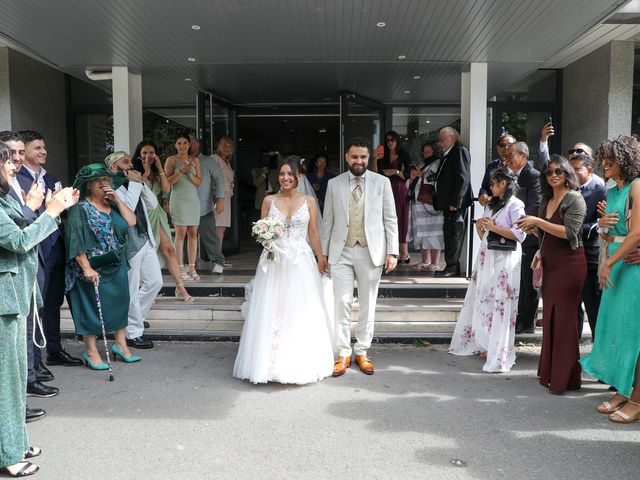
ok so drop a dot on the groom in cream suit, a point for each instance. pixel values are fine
(360, 238)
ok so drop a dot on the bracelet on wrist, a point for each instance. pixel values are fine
(162, 173)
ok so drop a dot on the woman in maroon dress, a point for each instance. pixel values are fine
(396, 165)
(559, 227)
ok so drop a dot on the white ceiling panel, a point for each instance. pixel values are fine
(260, 51)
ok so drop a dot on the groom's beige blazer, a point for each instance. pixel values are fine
(380, 220)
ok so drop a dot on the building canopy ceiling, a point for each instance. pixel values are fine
(282, 51)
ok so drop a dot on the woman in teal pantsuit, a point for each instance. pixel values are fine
(18, 267)
(98, 225)
(616, 350)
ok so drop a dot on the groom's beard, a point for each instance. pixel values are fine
(357, 170)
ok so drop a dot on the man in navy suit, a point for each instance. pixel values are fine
(593, 191)
(52, 251)
(529, 193)
(502, 144)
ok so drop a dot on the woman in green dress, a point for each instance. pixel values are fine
(18, 266)
(96, 234)
(616, 350)
(183, 174)
(147, 162)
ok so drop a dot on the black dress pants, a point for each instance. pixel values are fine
(591, 295)
(529, 297)
(453, 231)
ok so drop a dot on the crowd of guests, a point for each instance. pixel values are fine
(105, 258)
(559, 235)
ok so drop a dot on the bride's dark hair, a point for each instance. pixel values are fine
(295, 164)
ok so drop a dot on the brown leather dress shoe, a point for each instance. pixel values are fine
(366, 365)
(341, 365)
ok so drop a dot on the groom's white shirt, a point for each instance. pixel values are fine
(380, 220)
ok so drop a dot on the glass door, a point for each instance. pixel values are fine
(360, 117)
(215, 119)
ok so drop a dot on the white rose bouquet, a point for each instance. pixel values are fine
(266, 231)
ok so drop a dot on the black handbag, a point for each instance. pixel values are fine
(498, 242)
(104, 259)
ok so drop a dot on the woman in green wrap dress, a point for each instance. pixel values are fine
(18, 266)
(616, 350)
(96, 233)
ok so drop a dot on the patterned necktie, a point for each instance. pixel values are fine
(357, 192)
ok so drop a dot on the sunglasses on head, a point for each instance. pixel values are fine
(555, 171)
(576, 150)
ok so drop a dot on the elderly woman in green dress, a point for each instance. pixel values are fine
(18, 266)
(96, 234)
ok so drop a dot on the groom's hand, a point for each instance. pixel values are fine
(390, 263)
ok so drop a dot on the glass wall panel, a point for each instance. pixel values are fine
(417, 125)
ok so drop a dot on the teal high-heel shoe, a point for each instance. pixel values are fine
(93, 366)
(118, 353)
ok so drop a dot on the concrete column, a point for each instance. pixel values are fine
(5, 90)
(598, 95)
(127, 109)
(473, 126)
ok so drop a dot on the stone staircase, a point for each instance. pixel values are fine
(409, 307)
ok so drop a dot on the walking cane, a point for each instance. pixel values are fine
(104, 335)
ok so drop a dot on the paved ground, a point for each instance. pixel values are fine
(180, 415)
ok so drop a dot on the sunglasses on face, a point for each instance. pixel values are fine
(505, 144)
(390, 140)
(576, 150)
(556, 171)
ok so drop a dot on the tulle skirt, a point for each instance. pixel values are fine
(288, 333)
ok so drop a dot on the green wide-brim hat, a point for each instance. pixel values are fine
(93, 171)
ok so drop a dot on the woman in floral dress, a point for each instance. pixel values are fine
(486, 324)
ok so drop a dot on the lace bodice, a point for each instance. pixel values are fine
(297, 225)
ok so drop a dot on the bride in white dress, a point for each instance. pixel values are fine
(285, 337)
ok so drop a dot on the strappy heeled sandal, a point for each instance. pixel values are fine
(192, 273)
(608, 407)
(188, 298)
(184, 275)
(623, 417)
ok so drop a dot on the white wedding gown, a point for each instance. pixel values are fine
(286, 335)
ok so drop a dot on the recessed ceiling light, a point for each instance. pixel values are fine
(407, 91)
(401, 57)
(415, 131)
(416, 77)
(381, 24)
(195, 27)
(428, 121)
(187, 79)
(322, 130)
(191, 59)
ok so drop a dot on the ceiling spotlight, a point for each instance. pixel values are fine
(428, 121)
(191, 59)
(401, 57)
(416, 77)
(381, 24)
(322, 130)
(407, 91)
(187, 79)
(195, 27)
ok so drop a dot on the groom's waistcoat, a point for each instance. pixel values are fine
(356, 223)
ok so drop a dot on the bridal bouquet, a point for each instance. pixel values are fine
(266, 231)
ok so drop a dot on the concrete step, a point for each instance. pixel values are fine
(220, 316)
(390, 286)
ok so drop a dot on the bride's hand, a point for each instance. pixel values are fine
(322, 264)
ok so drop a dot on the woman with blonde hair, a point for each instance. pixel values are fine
(223, 155)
